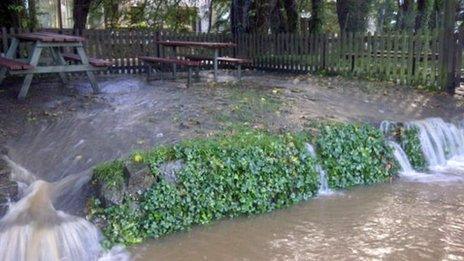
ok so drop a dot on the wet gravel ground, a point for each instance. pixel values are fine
(262, 100)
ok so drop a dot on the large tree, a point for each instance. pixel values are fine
(423, 13)
(353, 14)
(278, 18)
(260, 16)
(80, 11)
(317, 13)
(291, 10)
(239, 18)
(406, 15)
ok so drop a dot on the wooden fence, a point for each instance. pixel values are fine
(413, 59)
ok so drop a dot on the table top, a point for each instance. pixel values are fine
(49, 37)
(212, 45)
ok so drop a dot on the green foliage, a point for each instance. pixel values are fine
(241, 173)
(110, 173)
(122, 223)
(354, 154)
(246, 173)
(409, 140)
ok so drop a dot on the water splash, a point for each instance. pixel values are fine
(402, 159)
(323, 182)
(33, 229)
(440, 140)
(387, 126)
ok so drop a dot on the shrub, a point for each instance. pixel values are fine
(243, 174)
(409, 140)
(354, 154)
(110, 173)
(246, 173)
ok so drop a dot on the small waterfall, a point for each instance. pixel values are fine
(440, 140)
(323, 183)
(387, 126)
(33, 229)
(402, 159)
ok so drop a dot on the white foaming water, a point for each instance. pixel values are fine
(441, 141)
(402, 159)
(386, 126)
(323, 183)
(33, 229)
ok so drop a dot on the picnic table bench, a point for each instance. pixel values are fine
(14, 65)
(92, 61)
(54, 42)
(193, 61)
(153, 61)
(215, 46)
(224, 59)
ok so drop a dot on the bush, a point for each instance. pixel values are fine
(247, 173)
(244, 174)
(409, 140)
(354, 154)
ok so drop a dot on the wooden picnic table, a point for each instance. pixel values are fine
(215, 46)
(55, 43)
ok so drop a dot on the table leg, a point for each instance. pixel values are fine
(9, 54)
(36, 52)
(189, 81)
(59, 60)
(239, 72)
(149, 71)
(174, 66)
(90, 75)
(216, 54)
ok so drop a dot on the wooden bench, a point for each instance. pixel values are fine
(13, 65)
(92, 61)
(150, 60)
(224, 59)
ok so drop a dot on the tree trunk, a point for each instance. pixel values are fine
(239, 16)
(448, 47)
(422, 16)
(259, 16)
(80, 12)
(32, 15)
(406, 14)
(352, 15)
(210, 16)
(317, 13)
(278, 22)
(291, 9)
(436, 14)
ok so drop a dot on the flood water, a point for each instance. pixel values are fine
(418, 216)
(405, 220)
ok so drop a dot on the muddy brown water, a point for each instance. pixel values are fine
(406, 220)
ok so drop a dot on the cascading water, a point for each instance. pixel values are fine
(402, 159)
(387, 126)
(323, 183)
(440, 140)
(33, 229)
